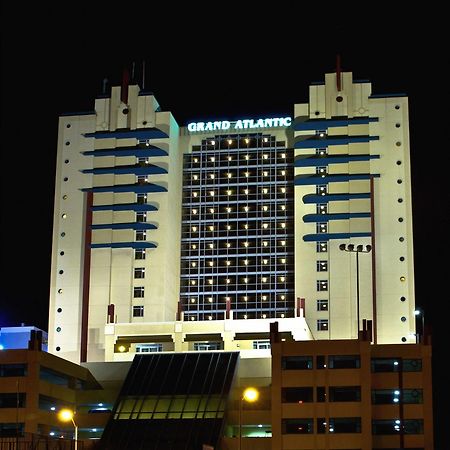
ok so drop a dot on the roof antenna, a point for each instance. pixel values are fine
(143, 74)
(125, 83)
(105, 82)
(338, 72)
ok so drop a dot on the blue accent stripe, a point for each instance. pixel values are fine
(125, 226)
(401, 94)
(142, 133)
(324, 143)
(148, 169)
(137, 188)
(328, 236)
(301, 180)
(125, 207)
(327, 217)
(316, 198)
(313, 161)
(125, 245)
(147, 152)
(325, 124)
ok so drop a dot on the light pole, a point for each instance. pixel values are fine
(420, 312)
(356, 249)
(66, 415)
(250, 395)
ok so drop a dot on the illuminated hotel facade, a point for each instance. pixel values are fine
(170, 238)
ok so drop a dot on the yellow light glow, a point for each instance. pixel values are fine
(121, 348)
(250, 395)
(265, 156)
(66, 415)
(195, 177)
(229, 192)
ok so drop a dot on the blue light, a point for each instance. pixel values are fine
(1, 347)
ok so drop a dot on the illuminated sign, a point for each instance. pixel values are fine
(243, 124)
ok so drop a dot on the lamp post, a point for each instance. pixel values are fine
(250, 395)
(420, 312)
(356, 249)
(66, 415)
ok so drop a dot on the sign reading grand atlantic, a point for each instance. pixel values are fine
(244, 124)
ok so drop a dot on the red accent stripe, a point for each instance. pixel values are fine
(86, 276)
(374, 272)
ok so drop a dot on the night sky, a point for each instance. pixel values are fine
(204, 65)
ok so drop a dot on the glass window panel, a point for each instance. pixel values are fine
(149, 404)
(163, 405)
(192, 404)
(177, 404)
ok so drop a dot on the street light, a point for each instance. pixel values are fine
(420, 312)
(356, 249)
(66, 415)
(249, 395)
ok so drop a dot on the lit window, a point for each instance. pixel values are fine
(193, 282)
(283, 155)
(283, 190)
(210, 281)
(141, 217)
(264, 316)
(228, 281)
(321, 227)
(322, 305)
(139, 272)
(266, 139)
(283, 225)
(246, 226)
(264, 297)
(138, 292)
(211, 263)
(194, 229)
(283, 243)
(247, 140)
(246, 208)
(265, 156)
(322, 266)
(264, 279)
(247, 174)
(194, 211)
(265, 190)
(139, 253)
(211, 245)
(141, 198)
(230, 158)
(195, 177)
(265, 225)
(265, 243)
(213, 142)
(245, 244)
(282, 278)
(265, 173)
(228, 209)
(322, 208)
(282, 297)
(321, 247)
(228, 227)
(229, 175)
(321, 189)
(138, 311)
(245, 280)
(212, 159)
(194, 246)
(265, 208)
(265, 261)
(210, 299)
(194, 194)
(245, 298)
(211, 210)
(246, 262)
(230, 141)
(229, 192)
(228, 263)
(283, 260)
(283, 172)
(322, 285)
(211, 193)
(246, 191)
(196, 160)
(283, 207)
(212, 176)
(142, 179)
(322, 325)
(192, 318)
(247, 157)
(141, 235)
(193, 300)
(193, 264)
(228, 245)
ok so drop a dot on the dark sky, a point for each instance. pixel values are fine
(203, 63)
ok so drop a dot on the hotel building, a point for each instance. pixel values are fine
(197, 237)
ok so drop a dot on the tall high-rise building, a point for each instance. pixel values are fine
(196, 237)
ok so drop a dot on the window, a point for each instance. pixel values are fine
(296, 362)
(12, 400)
(393, 365)
(321, 362)
(321, 189)
(392, 426)
(206, 346)
(297, 395)
(392, 396)
(297, 426)
(322, 208)
(321, 394)
(322, 266)
(260, 345)
(339, 425)
(138, 311)
(139, 272)
(138, 292)
(142, 160)
(149, 348)
(345, 394)
(141, 235)
(139, 253)
(321, 247)
(141, 199)
(322, 285)
(321, 227)
(344, 362)
(142, 179)
(13, 370)
(321, 170)
(322, 325)
(322, 305)
(141, 217)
